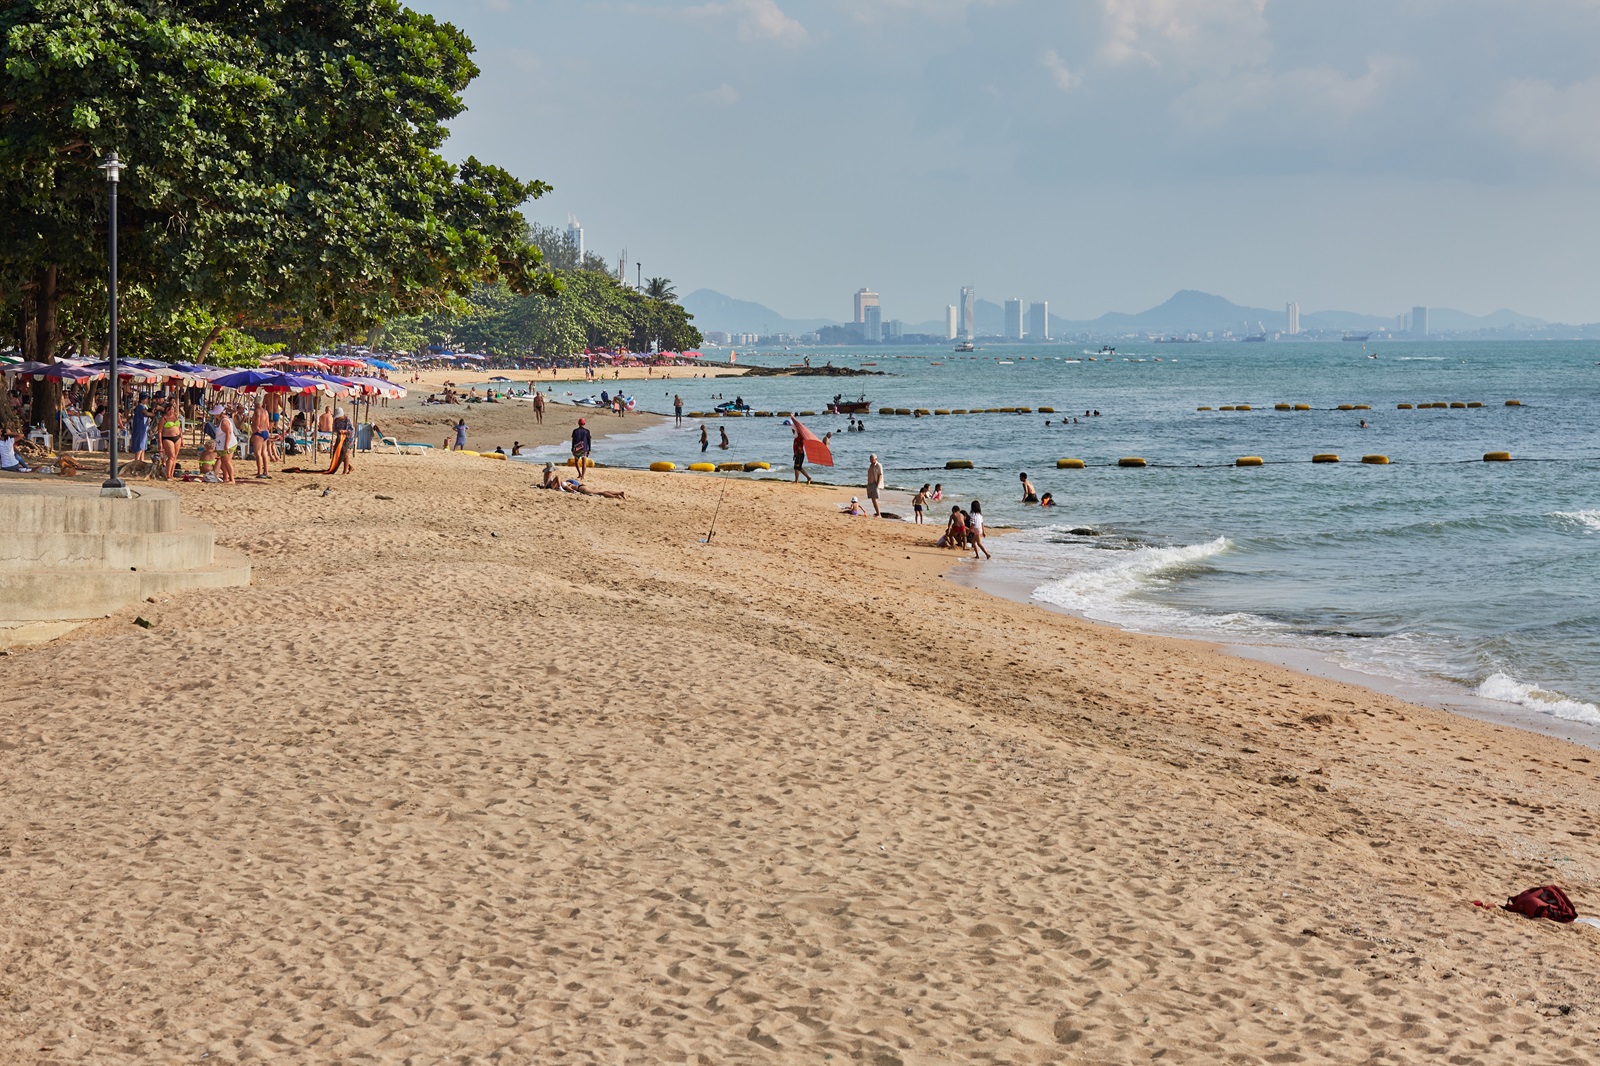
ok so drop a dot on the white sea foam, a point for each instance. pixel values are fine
(1589, 521)
(1102, 592)
(1508, 689)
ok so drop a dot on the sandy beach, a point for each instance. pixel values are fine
(476, 772)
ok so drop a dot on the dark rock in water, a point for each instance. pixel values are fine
(1084, 531)
(809, 372)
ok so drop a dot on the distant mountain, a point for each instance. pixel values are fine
(1442, 319)
(714, 311)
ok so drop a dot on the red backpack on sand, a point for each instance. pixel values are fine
(1546, 901)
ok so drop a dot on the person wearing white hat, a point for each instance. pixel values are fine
(344, 442)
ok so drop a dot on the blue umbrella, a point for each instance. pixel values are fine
(247, 379)
(381, 364)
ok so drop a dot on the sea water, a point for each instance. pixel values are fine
(1438, 566)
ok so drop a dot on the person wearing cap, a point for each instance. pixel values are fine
(344, 441)
(855, 507)
(581, 441)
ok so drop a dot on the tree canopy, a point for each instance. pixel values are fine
(283, 168)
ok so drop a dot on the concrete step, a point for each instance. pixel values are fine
(54, 506)
(188, 545)
(28, 596)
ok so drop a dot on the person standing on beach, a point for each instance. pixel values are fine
(677, 411)
(874, 484)
(260, 434)
(919, 502)
(581, 441)
(461, 434)
(800, 460)
(344, 440)
(705, 439)
(975, 530)
(538, 405)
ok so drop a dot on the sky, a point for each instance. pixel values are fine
(1358, 155)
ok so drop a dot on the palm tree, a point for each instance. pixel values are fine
(660, 289)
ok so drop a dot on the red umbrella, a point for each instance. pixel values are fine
(816, 451)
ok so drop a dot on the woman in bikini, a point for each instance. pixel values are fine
(171, 433)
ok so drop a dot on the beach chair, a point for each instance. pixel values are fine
(402, 449)
(86, 435)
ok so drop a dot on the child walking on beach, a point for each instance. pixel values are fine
(919, 503)
(975, 531)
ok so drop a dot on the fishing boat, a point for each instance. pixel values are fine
(841, 406)
(965, 346)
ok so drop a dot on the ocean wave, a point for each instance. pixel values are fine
(1507, 689)
(1095, 589)
(1588, 521)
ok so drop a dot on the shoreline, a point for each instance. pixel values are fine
(1427, 692)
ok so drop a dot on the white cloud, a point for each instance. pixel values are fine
(756, 20)
(1065, 78)
(1185, 35)
(723, 95)
(1317, 93)
(1558, 122)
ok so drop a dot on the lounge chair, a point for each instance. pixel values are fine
(86, 435)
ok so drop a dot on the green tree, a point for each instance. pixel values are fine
(283, 166)
(660, 289)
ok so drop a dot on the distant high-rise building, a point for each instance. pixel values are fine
(1039, 321)
(1013, 321)
(872, 325)
(1291, 311)
(893, 329)
(575, 237)
(969, 311)
(1400, 322)
(950, 322)
(1419, 321)
(865, 298)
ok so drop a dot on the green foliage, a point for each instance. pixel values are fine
(590, 310)
(283, 165)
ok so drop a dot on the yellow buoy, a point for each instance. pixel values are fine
(785, 414)
(1202, 408)
(958, 464)
(902, 410)
(922, 412)
(1363, 407)
(1347, 407)
(730, 466)
(750, 467)
(958, 411)
(1375, 460)
(1131, 461)
(1402, 407)
(886, 410)
(1474, 403)
(1047, 410)
(1227, 407)
(663, 467)
(491, 455)
(763, 414)
(941, 411)
(702, 468)
(1242, 407)
(807, 414)
(1458, 404)
(1283, 407)
(1069, 464)
(1249, 460)
(1302, 407)
(1513, 403)
(1007, 410)
(1325, 457)
(1024, 410)
(1497, 457)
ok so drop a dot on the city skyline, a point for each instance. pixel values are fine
(1367, 156)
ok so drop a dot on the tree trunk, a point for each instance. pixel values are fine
(46, 393)
(211, 338)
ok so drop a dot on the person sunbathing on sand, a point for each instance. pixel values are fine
(574, 485)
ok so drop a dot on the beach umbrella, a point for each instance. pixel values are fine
(26, 368)
(247, 379)
(381, 364)
(68, 372)
(343, 361)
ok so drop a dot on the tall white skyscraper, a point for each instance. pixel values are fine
(1291, 311)
(1039, 321)
(950, 322)
(575, 236)
(1013, 321)
(872, 324)
(1419, 321)
(969, 311)
(865, 298)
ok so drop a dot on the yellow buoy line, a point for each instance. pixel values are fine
(1137, 462)
(1440, 404)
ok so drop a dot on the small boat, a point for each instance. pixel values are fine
(841, 406)
(1004, 362)
(965, 346)
(1106, 349)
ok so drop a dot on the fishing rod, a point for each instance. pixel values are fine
(710, 532)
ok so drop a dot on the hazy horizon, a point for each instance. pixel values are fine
(1100, 155)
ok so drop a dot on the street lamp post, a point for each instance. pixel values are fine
(638, 281)
(113, 486)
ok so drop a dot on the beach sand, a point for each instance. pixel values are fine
(473, 772)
